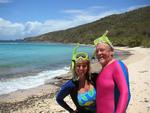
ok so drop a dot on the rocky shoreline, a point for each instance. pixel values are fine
(29, 102)
(8, 103)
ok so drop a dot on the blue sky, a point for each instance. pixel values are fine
(24, 18)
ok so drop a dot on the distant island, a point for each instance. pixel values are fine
(127, 29)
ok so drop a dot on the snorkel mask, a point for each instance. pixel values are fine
(103, 39)
(78, 56)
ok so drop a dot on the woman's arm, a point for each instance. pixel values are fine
(65, 91)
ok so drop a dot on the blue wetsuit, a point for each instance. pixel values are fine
(71, 88)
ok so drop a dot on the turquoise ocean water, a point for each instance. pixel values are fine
(27, 65)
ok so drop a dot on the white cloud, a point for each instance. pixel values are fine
(88, 15)
(5, 1)
(135, 7)
(73, 11)
(98, 7)
(10, 30)
(32, 27)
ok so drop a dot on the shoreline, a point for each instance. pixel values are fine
(27, 98)
(42, 98)
(30, 79)
(122, 54)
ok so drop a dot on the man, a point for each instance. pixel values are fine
(112, 84)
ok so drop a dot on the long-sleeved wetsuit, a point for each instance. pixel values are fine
(112, 85)
(71, 88)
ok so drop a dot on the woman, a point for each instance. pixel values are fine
(81, 87)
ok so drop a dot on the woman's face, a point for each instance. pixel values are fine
(103, 53)
(82, 68)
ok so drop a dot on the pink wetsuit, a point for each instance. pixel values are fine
(112, 88)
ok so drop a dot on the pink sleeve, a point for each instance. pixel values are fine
(120, 80)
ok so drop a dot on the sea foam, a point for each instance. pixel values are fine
(30, 81)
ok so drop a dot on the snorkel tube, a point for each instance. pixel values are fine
(74, 55)
(78, 56)
(103, 39)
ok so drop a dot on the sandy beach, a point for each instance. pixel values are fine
(42, 99)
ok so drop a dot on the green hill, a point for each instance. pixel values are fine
(127, 29)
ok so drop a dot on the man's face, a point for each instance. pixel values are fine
(103, 53)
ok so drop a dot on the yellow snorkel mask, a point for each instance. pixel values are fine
(103, 39)
(77, 56)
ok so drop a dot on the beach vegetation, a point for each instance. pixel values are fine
(131, 29)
